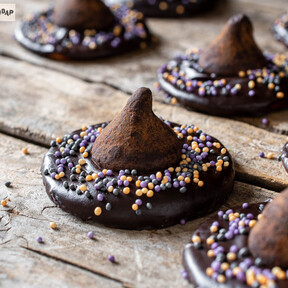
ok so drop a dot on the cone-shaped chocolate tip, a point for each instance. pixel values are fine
(269, 237)
(233, 50)
(83, 14)
(137, 139)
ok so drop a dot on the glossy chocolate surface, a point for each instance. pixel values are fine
(196, 261)
(284, 156)
(39, 34)
(169, 206)
(223, 98)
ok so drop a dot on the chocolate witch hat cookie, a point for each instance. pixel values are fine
(284, 156)
(168, 8)
(138, 171)
(280, 29)
(243, 246)
(83, 29)
(230, 77)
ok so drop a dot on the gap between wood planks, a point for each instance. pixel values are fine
(117, 88)
(106, 276)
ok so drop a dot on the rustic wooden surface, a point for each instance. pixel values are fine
(41, 99)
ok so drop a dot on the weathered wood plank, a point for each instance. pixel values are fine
(139, 69)
(145, 258)
(24, 269)
(46, 104)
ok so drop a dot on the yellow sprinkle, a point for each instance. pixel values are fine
(213, 228)
(144, 190)
(221, 278)
(85, 154)
(78, 170)
(53, 225)
(180, 9)
(138, 183)
(4, 203)
(209, 270)
(280, 95)
(134, 207)
(270, 155)
(58, 140)
(174, 101)
(129, 178)
(139, 192)
(61, 174)
(163, 5)
(251, 84)
(89, 178)
(82, 134)
(126, 190)
(210, 253)
(82, 161)
(200, 183)
(98, 211)
(210, 241)
(271, 86)
(150, 185)
(57, 177)
(242, 74)
(196, 238)
(223, 151)
(231, 256)
(84, 127)
(94, 176)
(123, 178)
(104, 171)
(62, 149)
(171, 169)
(83, 188)
(25, 150)
(150, 193)
(82, 149)
(110, 188)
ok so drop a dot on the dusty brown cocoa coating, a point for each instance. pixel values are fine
(137, 139)
(269, 237)
(233, 50)
(83, 14)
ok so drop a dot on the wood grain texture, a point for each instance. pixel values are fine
(138, 69)
(56, 104)
(144, 258)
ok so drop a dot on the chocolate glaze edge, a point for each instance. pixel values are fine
(169, 206)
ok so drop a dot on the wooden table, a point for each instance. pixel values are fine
(41, 99)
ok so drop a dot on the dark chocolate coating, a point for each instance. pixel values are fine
(151, 8)
(196, 261)
(284, 156)
(280, 29)
(168, 206)
(63, 46)
(264, 100)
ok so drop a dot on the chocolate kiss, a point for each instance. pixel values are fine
(83, 14)
(233, 50)
(269, 237)
(137, 139)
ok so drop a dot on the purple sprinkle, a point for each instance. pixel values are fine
(251, 93)
(229, 235)
(182, 221)
(215, 265)
(220, 213)
(90, 234)
(229, 273)
(60, 169)
(138, 202)
(53, 175)
(111, 258)
(70, 165)
(120, 182)
(214, 276)
(265, 121)
(57, 161)
(182, 183)
(101, 175)
(233, 249)
(157, 188)
(184, 274)
(214, 245)
(175, 184)
(109, 172)
(39, 239)
(144, 184)
(57, 154)
(215, 223)
(126, 183)
(100, 197)
(241, 276)
(76, 137)
(250, 216)
(229, 211)
(212, 163)
(245, 205)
